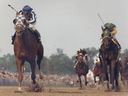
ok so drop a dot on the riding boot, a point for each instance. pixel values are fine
(37, 34)
(13, 38)
(119, 47)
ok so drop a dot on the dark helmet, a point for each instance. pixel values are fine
(109, 26)
(27, 9)
(84, 52)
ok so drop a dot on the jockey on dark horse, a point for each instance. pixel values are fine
(83, 54)
(30, 16)
(110, 29)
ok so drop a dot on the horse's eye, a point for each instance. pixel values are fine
(14, 21)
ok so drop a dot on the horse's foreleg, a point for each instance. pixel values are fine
(116, 73)
(20, 72)
(112, 76)
(40, 54)
(85, 77)
(33, 75)
(35, 85)
(95, 79)
(38, 63)
(80, 81)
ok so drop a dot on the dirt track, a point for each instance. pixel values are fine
(60, 91)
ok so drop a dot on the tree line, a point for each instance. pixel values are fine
(57, 63)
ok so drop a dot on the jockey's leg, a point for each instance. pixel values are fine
(36, 33)
(117, 43)
(13, 38)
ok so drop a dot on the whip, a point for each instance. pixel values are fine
(12, 8)
(100, 18)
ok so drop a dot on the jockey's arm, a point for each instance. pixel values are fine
(33, 19)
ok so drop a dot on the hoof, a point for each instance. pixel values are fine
(80, 88)
(108, 90)
(36, 88)
(19, 90)
(41, 77)
(112, 88)
(117, 89)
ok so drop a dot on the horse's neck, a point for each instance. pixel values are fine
(23, 38)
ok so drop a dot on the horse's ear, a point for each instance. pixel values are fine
(14, 21)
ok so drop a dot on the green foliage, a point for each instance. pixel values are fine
(91, 53)
(8, 62)
(58, 63)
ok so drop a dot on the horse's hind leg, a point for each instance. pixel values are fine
(40, 54)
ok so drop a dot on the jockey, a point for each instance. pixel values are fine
(81, 53)
(31, 20)
(110, 28)
(78, 52)
(85, 55)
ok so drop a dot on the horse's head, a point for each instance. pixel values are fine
(19, 22)
(106, 37)
(107, 42)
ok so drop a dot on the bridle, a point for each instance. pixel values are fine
(19, 23)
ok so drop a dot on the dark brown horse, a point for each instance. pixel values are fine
(26, 48)
(109, 58)
(81, 69)
(124, 70)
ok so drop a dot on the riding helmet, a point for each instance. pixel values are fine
(27, 9)
(109, 26)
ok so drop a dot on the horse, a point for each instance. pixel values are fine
(124, 71)
(97, 72)
(26, 48)
(81, 69)
(109, 55)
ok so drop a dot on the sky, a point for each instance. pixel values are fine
(66, 24)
